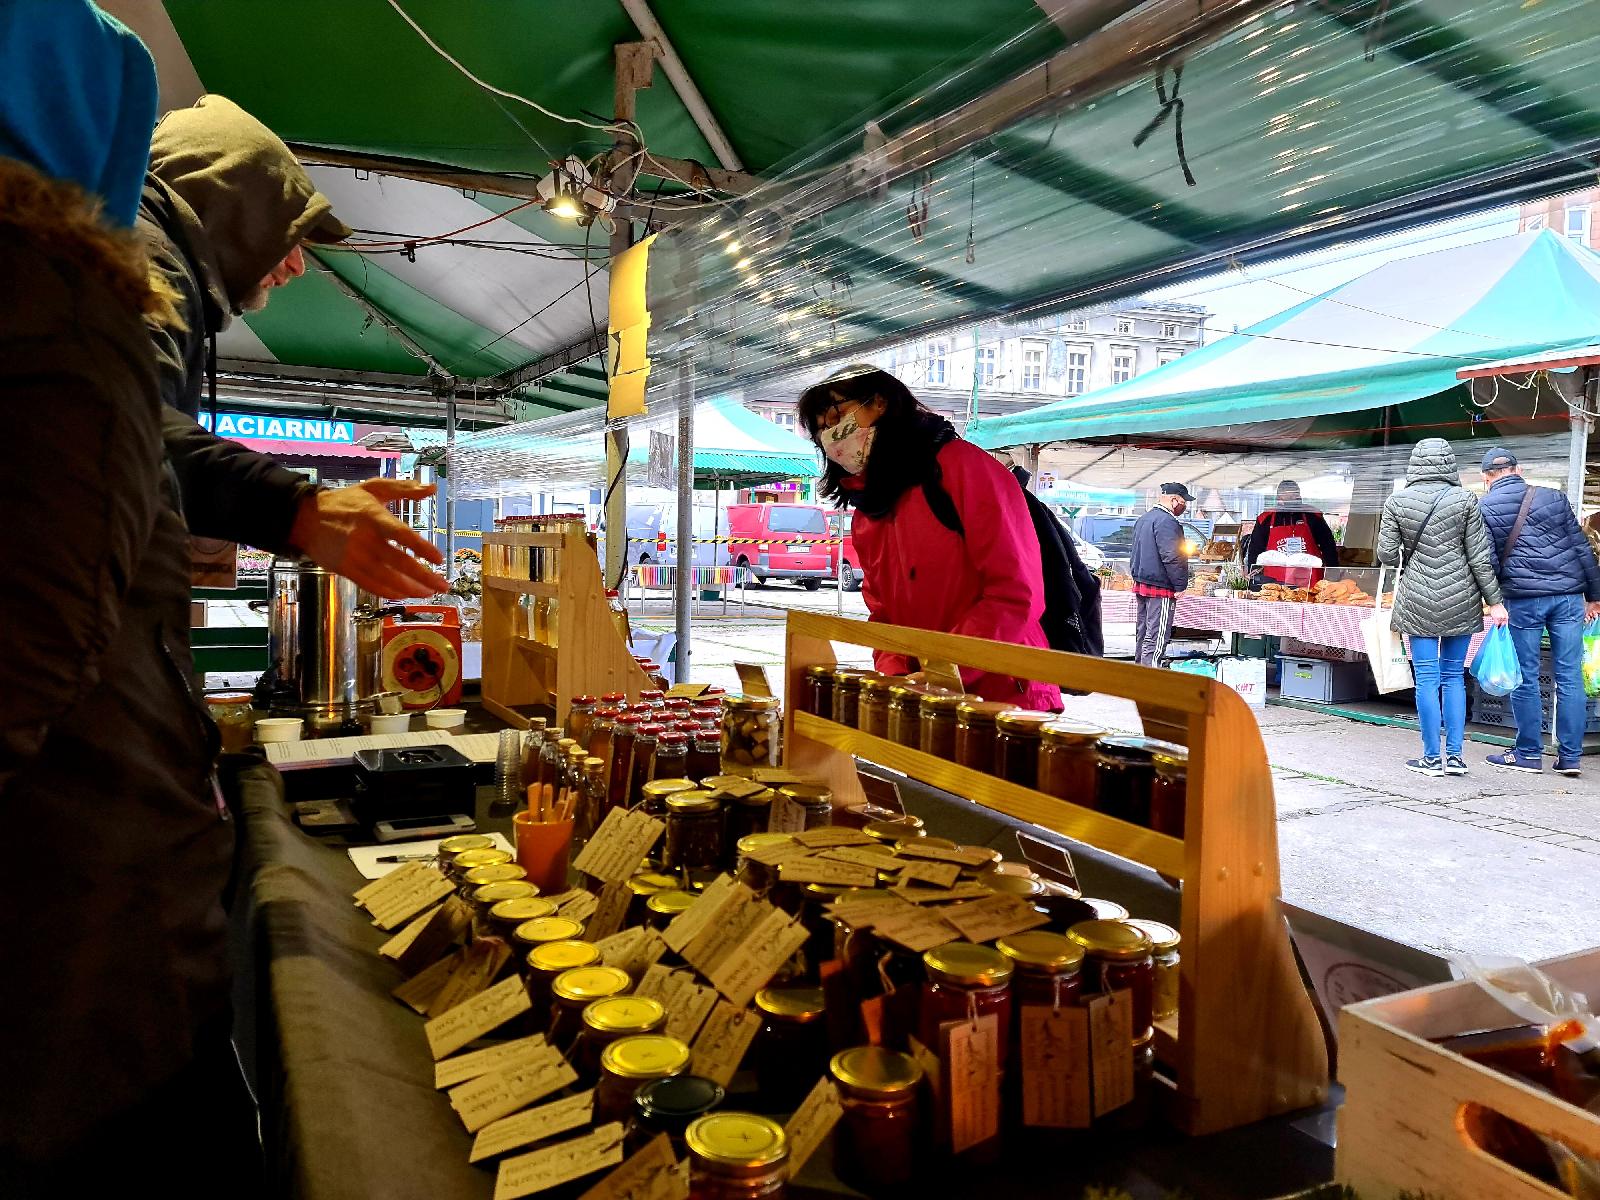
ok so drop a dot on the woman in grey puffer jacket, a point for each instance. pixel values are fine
(1432, 529)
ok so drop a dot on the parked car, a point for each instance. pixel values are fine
(653, 535)
(1113, 535)
(847, 571)
(781, 541)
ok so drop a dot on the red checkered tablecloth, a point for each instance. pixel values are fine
(1336, 625)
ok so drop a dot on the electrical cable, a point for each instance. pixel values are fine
(423, 241)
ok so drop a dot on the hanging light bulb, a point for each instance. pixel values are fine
(564, 205)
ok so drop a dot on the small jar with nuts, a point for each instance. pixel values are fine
(749, 734)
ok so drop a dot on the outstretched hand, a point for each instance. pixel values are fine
(350, 531)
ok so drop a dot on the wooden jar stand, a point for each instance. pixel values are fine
(1247, 1043)
(588, 656)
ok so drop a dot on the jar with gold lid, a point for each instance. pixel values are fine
(630, 1062)
(875, 1142)
(814, 800)
(1067, 761)
(1164, 941)
(506, 915)
(494, 873)
(755, 875)
(548, 960)
(816, 690)
(486, 897)
(905, 713)
(873, 715)
(1118, 955)
(1169, 790)
(536, 931)
(574, 990)
(1106, 910)
(1008, 884)
(745, 810)
(847, 695)
(936, 720)
(965, 981)
(664, 906)
(904, 828)
(791, 1045)
(670, 1106)
(694, 831)
(1125, 775)
(235, 720)
(641, 886)
(749, 733)
(1018, 735)
(1047, 967)
(736, 1156)
(977, 736)
(653, 795)
(460, 843)
(466, 860)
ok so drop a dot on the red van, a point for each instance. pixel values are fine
(781, 541)
(839, 526)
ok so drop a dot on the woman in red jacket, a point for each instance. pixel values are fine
(942, 529)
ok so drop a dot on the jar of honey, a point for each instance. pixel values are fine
(607, 1019)
(847, 695)
(977, 737)
(574, 990)
(905, 714)
(873, 714)
(1068, 756)
(936, 714)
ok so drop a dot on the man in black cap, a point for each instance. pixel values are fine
(1550, 581)
(1160, 571)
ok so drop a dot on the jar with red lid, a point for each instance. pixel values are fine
(678, 707)
(1169, 790)
(601, 729)
(1116, 956)
(620, 770)
(1017, 740)
(672, 755)
(645, 739)
(618, 700)
(705, 752)
(651, 696)
(1068, 757)
(977, 737)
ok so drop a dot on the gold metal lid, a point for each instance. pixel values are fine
(1024, 721)
(751, 703)
(965, 963)
(648, 883)
(866, 895)
(645, 1056)
(566, 743)
(901, 829)
(1011, 885)
(462, 842)
(538, 930)
(751, 842)
(1111, 939)
(493, 873)
(798, 1004)
(820, 671)
(1041, 952)
(1106, 910)
(670, 903)
(625, 1015)
(981, 712)
(853, 679)
(694, 801)
(907, 693)
(556, 957)
(883, 850)
(807, 793)
(591, 763)
(660, 789)
(522, 908)
(941, 702)
(503, 889)
(590, 983)
(876, 1071)
(1170, 758)
(1164, 938)
(1072, 733)
(878, 685)
(737, 1139)
(468, 859)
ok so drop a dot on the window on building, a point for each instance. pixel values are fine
(1124, 324)
(1169, 329)
(782, 417)
(1577, 224)
(1077, 324)
(1122, 364)
(1167, 356)
(988, 357)
(938, 361)
(1077, 370)
(1533, 222)
(1033, 366)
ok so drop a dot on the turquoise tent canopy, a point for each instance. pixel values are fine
(1395, 335)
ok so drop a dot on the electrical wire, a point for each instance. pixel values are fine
(423, 241)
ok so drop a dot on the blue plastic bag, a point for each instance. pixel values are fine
(1496, 668)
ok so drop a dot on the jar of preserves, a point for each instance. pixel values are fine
(1164, 942)
(574, 990)
(663, 906)
(694, 831)
(545, 963)
(847, 696)
(670, 1106)
(736, 1156)
(872, 710)
(580, 716)
(494, 873)
(466, 860)
(672, 756)
(488, 895)
(964, 982)
(235, 720)
(875, 1142)
(936, 716)
(1116, 955)
(745, 811)
(904, 828)
(652, 697)
(621, 769)
(905, 714)
(1047, 967)
(791, 1045)
(816, 691)
(654, 795)
(506, 915)
(644, 756)
(601, 729)
(1018, 737)
(977, 737)
(705, 751)
(617, 700)
(757, 876)
(813, 799)
(629, 1063)
(1169, 790)
(1007, 884)
(678, 707)
(749, 734)
(460, 844)
(641, 886)
(1106, 910)
(1124, 776)
(1068, 756)
(544, 929)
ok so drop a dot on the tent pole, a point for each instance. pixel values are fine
(450, 489)
(1578, 450)
(683, 591)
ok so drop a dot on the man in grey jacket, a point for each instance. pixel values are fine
(1160, 571)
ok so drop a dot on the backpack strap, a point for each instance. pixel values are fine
(944, 508)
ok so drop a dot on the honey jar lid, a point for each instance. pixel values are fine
(229, 699)
(556, 957)
(522, 908)
(624, 1015)
(1106, 910)
(547, 929)
(670, 903)
(590, 983)
(1041, 951)
(1169, 757)
(901, 829)
(876, 1071)
(874, 684)
(751, 703)
(1164, 938)
(807, 793)
(799, 1004)
(853, 679)
(648, 883)
(941, 701)
(468, 859)
(737, 1139)
(902, 693)
(645, 1056)
(1024, 721)
(695, 800)
(504, 889)
(820, 671)
(1011, 885)
(493, 873)
(982, 712)
(751, 842)
(1072, 733)
(966, 963)
(1111, 939)
(466, 841)
(591, 763)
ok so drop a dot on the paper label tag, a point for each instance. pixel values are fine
(785, 816)
(864, 914)
(610, 910)
(687, 1002)
(543, 1169)
(618, 846)
(565, 897)
(818, 1113)
(753, 679)
(966, 857)
(722, 1042)
(779, 853)
(863, 858)
(832, 835)
(928, 895)
(881, 793)
(649, 1174)
(995, 917)
(633, 950)
(525, 1128)
(431, 888)
(754, 961)
(475, 972)
(733, 921)
(435, 933)
(872, 1021)
(777, 776)
(466, 1022)
(396, 881)
(705, 911)
(687, 691)
(973, 1082)
(1111, 1050)
(737, 788)
(418, 992)
(827, 870)
(942, 673)
(933, 874)
(1055, 1067)
(1053, 862)
(917, 929)
(501, 1093)
(580, 907)
(401, 942)
(463, 1067)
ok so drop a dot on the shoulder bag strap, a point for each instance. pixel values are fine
(1416, 541)
(1516, 527)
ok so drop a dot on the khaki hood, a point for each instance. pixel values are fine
(251, 200)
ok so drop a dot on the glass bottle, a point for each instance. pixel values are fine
(1124, 776)
(670, 1106)
(694, 831)
(1164, 943)
(705, 752)
(937, 722)
(875, 1143)
(977, 738)
(1068, 755)
(644, 755)
(580, 713)
(601, 727)
(532, 743)
(1169, 790)
(791, 1045)
(847, 696)
(671, 759)
(736, 1156)
(620, 771)
(573, 991)
(749, 733)
(872, 710)
(591, 800)
(1018, 734)
(1118, 955)
(550, 759)
(905, 714)
(629, 1063)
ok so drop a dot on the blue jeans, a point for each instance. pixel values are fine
(1563, 617)
(1439, 667)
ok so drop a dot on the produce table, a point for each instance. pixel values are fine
(1334, 625)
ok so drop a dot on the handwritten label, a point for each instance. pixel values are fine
(927, 895)
(741, 954)
(397, 880)
(525, 1128)
(705, 911)
(785, 816)
(778, 776)
(401, 942)
(687, 1002)
(933, 874)
(832, 835)
(863, 858)
(722, 1042)
(753, 679)
(463, 1067)
(731, 923)
(995, 917)
(973, 1081)
(818, 1113)
(610, 910)
(1111, 1050)
(500, 1093)
(1055, 1067)
(737, 788)
(526, 1174)
(430, 888)
(579, 906)
(477, 969)
(633, 950)
(466, 1022)
(966, 856)
(622, 840)
(942, 674)
(418, 992)
(827, 870)
(432, 934)
(917, 929)
(861, 913)
(649, 1174)
(932, 1071)
(779, 853)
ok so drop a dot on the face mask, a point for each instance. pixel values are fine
(848, 444)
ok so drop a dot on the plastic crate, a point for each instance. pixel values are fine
(1322, 681)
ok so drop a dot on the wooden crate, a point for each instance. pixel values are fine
(1247, 1043)
(1407, 1108)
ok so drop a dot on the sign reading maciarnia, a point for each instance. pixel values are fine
(281, 429)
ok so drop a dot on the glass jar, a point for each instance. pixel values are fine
(936, 715)
(757, 876)
(977, 737)
(662, 907)
(601, 728)
(545, 963)
(460, 844)
(744, 812)
(580, 716)
(629, 1063)
(655, 794)
(875, 1142)
(905, 714)
(573, 991)
(544, 929)
(749, 734)
(816, 691)
(1047, 967)
(651, 697)
(1169, 790)
(1068, 757)
(549, 766)
(847, 696)
(813, 799)
(670, 1106)
(964, 981)
(466, 860)
(895, 830)
(1006, 883)
(694, 831)
(234, 719)
(607, 1019)
(1164, 942)
(532, 743)
(1116, 955)
(643, 885)
(872, 711)
(678, 707)
(486, 896)
(705, 752)
(672, 756)
(494, 873)
(736, 1156)
(1124, 777)
(791, 1045)
(506, 915)
(1106, 910)
(1018, 737)
(644, 756)
(621, 769)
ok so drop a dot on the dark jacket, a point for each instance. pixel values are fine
(1158, 559)
(114, 936)
(1327, 547)
(1551, 557)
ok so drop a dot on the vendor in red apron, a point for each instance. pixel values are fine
(1290, 528)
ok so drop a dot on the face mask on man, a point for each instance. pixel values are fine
(848, 444)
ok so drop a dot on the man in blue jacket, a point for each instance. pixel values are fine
(1160, 571)
(1550, 581)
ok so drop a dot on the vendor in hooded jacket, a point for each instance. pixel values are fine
(942, 530)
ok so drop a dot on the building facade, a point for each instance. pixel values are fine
(1575, 215)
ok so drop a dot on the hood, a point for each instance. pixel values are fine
(1432, 459)
(79, 99)
(249, 200)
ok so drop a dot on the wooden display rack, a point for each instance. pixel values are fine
(1247, 1043)
(588, 655)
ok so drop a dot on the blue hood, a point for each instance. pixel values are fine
(79, 99)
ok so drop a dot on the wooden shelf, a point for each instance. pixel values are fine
(535, 646)
(527, 587)
(1154, 850)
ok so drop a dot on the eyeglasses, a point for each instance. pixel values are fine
(837, 412)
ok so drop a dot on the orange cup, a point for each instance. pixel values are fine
(543, 851)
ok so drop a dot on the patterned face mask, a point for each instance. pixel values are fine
(848, 444)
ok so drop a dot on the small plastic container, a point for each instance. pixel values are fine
(234, 718)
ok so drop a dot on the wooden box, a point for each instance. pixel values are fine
(1410, 1106)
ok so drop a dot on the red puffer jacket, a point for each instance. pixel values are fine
(987, 584)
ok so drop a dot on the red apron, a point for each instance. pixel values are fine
(1291, 537)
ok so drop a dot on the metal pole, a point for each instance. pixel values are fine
(1578, 450)
(685, 574)
(450, 489)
